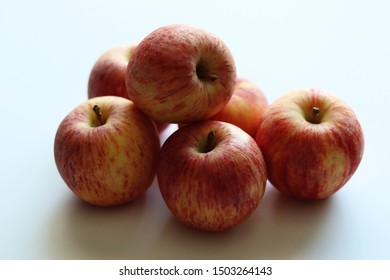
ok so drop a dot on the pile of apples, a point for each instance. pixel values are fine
(212, 171)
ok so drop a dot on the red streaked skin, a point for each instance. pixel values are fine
(246, 107)
(181, 74)
(211, 185)
(111, 163)
(310, 157)
(107, 76)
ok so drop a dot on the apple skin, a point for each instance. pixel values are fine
(107, 76)
(246, 107)
(181, 74)
(211, 183)
(108, 164)
(310, 156)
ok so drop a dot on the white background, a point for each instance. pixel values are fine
(47, 50)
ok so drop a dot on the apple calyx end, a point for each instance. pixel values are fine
(98, 113)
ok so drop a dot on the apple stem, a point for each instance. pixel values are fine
(209, 77)
(98, 113)
(314, 114)
(210, 145)
(203, 72)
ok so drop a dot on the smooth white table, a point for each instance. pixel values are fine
(47, 50)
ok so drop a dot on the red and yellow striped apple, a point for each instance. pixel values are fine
(246, 107)
(312, 143)
(181, 74)
(107, 76)
(106, 151)
(211, 175)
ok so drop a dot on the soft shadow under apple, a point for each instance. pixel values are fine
(82, 231)
(281, 228)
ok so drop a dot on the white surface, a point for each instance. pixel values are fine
(47, 50)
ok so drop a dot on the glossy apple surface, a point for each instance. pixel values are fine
(107, 76)
(106, 151)
(246, 107)
(212, 175)
(312, 143)
(181, 74)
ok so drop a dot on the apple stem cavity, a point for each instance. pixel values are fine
(98, 113)
(210, 142)
(202, 73)
(314, 115)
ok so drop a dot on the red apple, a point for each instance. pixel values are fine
(106, 151)
(181, 74)
(211, 175)
(246, 107)
(107, 76)
(312, 143)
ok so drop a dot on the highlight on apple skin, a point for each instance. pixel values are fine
(181, 74)
(312, 143)
(106, 151)
(107, 76)
(211, 175)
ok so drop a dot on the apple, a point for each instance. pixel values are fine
(106, 151)
(211, 175)
(181, 74)
(312, 143)
(107, 76)
(246, 107)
